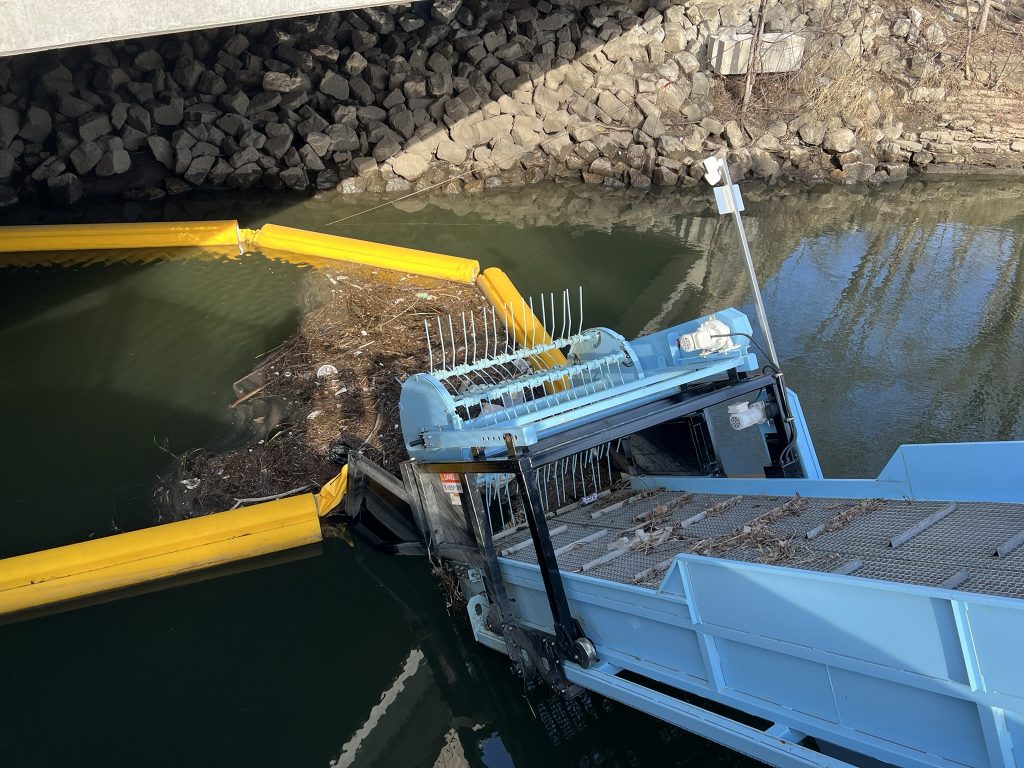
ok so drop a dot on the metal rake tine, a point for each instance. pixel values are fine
(508, 497)
(430, 351)
(608, 460)
(544, 315)
(444, 355)
(552, 332)
(526, 341)
(487, 338)
(465, 340)
(472, 330)
(451, 331)
(581, 311)
(566, 310)
(533, 342)
(509, 313)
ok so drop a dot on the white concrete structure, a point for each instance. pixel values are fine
(36, 25)
(729, 52)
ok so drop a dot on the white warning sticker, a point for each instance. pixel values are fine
(452, 485)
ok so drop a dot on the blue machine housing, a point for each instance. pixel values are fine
(604, 374)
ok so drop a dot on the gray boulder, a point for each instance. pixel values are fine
(85, 156)
(36, 126)
(113, 163)
(839, 140)
(335, 86)
(65, 189)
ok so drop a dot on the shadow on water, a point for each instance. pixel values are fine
(898, 315)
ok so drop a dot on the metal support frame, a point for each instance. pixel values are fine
(570, 643)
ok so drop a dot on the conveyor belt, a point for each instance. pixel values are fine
(937, 543)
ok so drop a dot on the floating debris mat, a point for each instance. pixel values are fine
(631, 537)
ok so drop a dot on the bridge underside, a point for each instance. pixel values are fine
(36, 25)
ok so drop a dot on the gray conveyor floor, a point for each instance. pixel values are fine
(956, 550)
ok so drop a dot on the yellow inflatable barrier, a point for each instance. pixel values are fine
(81, 237)
(517, 315)
(332, 493)
(102, 565)
(274, 237)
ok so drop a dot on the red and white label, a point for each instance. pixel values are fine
(450, 482)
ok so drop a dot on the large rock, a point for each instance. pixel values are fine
(187, 73)
(10, 124)
(812, 132)
(6, 164)
(451, 152)
(735, 135)
(343, 138)
(858, 172)
(246, 176)
(170, 114)
(94, 125)
(85, 156)
(36, 126)
(199, 169)
(65, 189)
(295, 179)
(335, 86)
(162, 151)
(839, 140)
(113, 163)
(281, 82)
(50, 167)
(409, 165)
(235, 101)
(444, 10)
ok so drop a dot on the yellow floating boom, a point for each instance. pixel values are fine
(274, 237)
(517, 315)
(82, 237)
(101, 565)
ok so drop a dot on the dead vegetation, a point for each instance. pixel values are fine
(330, 389)
(758, 535)
(982, 45)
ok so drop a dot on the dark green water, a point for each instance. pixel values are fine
(899, 317)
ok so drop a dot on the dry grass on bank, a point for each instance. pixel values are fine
(369, 327)
(830, 82)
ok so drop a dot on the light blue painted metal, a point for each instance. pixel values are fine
(451, 410)
(910, 675)
(804, 444)
(933, 472)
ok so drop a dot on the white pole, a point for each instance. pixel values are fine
(762, 317)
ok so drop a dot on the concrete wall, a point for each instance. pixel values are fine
(37, 25)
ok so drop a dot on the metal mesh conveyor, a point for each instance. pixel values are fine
(936, 543)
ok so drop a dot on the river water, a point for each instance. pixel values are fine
(899, 317)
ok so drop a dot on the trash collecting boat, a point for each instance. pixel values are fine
(647, 520)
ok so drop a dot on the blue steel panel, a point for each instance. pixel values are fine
(929, 722)
(886, 708)
(670, 641)
(955, 471)
(804, 444)
(940, 472)
(998, 632)
(743, 738)
(1015, 730)
(829, 613)
(792, 682)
